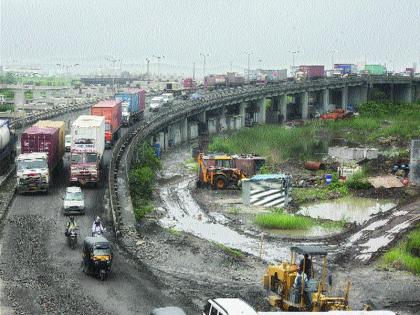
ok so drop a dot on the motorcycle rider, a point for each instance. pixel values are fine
(97, 227)
(71, 225)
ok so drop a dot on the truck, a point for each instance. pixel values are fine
(133, 104)
(40, 155)
(87, 149)
(375, 69)
(156, 103)
(168, 98)
(346, 68)
(61, 126)
(275, 75)
(112, 111)
(312, 71)
(7, 145)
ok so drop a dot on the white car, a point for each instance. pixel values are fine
(67, 143)
(156, 103)
(74, 201)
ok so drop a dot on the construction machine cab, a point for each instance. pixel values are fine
(289, 290)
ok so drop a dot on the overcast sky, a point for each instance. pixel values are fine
(85, 31)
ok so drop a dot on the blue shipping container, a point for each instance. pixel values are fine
(346, 68)
(131, 100)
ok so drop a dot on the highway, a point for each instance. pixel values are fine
(41, 274)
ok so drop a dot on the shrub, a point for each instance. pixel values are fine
(141, 182)
(358, 181)
(142, 208)
(284, 221)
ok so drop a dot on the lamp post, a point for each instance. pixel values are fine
(147, 71)
(158, 65)
(114, 61)
(332, 57)
(204, 64)
(249, 53)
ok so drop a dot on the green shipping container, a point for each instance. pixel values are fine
(375, 69)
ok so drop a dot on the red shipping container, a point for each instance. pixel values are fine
(142, 100)
(112, 111)
(40, 139)
(312, 71)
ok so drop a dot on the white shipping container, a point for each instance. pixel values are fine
(4, 136)
(88, 131)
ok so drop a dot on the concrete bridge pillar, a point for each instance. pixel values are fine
(304, 100)
(202, 116)
(242, 113)
(363, 94)
(344, 97)
(325, 100)
(416, 93)
(161, 138)
(283, 107)
(20, 97)
(192, 130)
(261, 111)
(408, 95)
(184, 129)
(222, 120)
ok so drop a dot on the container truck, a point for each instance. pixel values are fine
(40, 155)
(32, 172)
(375, 69)
(275, 75)
(133, 103)
(87, 149)
(7, 145)
(312, 71)
(346, 68)
(112, 111)
(61, 126)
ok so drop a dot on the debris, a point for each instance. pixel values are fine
(314, 165)
(346, 171)
(346, 154)
(385, 181)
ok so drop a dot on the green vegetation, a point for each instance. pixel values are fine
(142, 179)
(233, 211)
(278, 143)
(10, 78)
(406, 255)
(192, 164)
(7, 93)
(230, 251)
(174, 231)
(279, 220)
(6, 107)
(334, 190)
(29, 95)
(358, 181)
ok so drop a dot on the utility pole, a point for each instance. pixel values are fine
(231, 66)
(147, 72)
(332, 57)
(293, 52)
(114, 61)
(249, 54)
(204, 64)
(193, 76)
(158, 65)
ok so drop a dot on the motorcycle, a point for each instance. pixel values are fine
(72, 238)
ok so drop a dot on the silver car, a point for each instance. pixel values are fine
(74, 201)
(170, 310)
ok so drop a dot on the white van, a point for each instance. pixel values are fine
(228, 306)
(168, 98)
(156, 103)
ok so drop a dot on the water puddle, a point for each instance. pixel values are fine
(350, 209)
(184, 214)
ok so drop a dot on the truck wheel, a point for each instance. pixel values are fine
(219, 183)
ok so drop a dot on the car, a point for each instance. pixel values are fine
(67, 143)
(74, 202)
(170, 310)
(228, 306)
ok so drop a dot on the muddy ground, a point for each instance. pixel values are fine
(204, 269)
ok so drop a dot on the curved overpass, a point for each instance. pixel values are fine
(230, 109)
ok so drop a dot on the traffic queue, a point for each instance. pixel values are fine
(43, 147)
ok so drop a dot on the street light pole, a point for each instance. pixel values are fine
(158, 65)
(204, 64)
(249, 54)
(114, 61)
(147, 72)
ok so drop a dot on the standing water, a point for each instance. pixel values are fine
(350, 209)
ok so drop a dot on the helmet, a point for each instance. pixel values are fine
(97, 220)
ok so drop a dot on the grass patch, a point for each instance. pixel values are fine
(404, 255)
(192, 164)
(230, 251)
(277, 219)
(233, 211)
(278, 143)
(142, 207)
(332, 191)
(6, 107)
(174, 232)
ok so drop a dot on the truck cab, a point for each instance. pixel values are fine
(32, 173)
(156, 103)
(168, 98)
